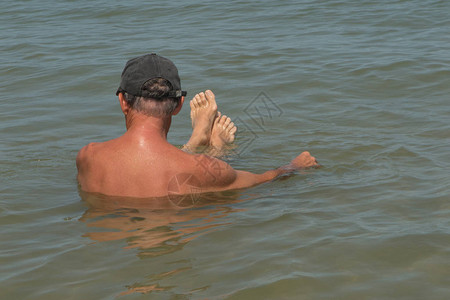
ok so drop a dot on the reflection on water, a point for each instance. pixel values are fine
(363, 85)
(151, 285)
(155, 226)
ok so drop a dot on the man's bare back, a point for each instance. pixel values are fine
(142, 163)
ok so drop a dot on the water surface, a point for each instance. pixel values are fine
(362, 85)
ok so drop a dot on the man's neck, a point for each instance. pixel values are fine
(148, 126)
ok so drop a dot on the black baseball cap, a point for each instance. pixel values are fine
(141, 69)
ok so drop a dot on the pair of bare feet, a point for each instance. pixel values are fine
(212, 132)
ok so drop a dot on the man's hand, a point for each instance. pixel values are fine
(304, 160)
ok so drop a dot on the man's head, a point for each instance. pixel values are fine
(150, 85)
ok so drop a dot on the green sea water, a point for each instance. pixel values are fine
(363, 85)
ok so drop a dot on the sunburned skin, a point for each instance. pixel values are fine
(141, 163)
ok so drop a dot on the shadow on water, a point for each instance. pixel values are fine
(157, 226)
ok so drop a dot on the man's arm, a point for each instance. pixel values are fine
(226, 178)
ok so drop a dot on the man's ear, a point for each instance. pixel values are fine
(124, 104)
(178, 108)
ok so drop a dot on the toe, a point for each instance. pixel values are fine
(202, 99)
(196, 100)
(227, 122)
(217, 120)
(211, 97)
(217, 117)
(222, 120)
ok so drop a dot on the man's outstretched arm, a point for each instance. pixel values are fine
(227, 178)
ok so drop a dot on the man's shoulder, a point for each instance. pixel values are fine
(92, 148)
(84, 154)
(88, 152)
(212, 171)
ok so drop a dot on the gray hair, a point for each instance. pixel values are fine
(157, 103)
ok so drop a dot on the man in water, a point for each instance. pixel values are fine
(141, 162)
